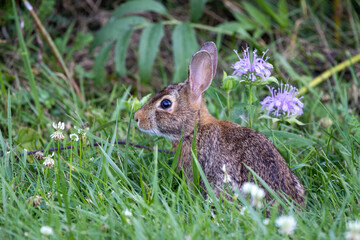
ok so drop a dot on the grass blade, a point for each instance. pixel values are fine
(26, 59)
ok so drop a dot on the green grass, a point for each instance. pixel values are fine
(108, 181)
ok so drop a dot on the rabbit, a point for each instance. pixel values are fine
(174, 111)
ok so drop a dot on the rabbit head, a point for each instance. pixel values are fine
(175, 109)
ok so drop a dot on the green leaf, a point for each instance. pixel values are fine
(281, 17)
(258, 16)
(27, 137)
(148, 49)
(139, 6)
(112, 28)
(100, 62)
(245, 22)
(268, 81)
(121, 46)
(265, 116)
(234, 27)
(184, 46)
(283, 14)
(196, 9)
(293, 119)
(288, 138)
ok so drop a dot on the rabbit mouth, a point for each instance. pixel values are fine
(157, 133)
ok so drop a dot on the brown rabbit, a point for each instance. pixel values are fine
(179, 106)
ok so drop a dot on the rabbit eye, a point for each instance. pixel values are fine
(166, 103)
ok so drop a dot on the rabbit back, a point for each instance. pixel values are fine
(226, 143)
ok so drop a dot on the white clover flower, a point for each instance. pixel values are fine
(81, 131)
(46, 230)
(58, 135)
(353, 230)
(59, 126)
(286, 224)
(257, 197)
(227, 178)
(49, 162)
(127, 213)
(74, 137)
(257, 194)
(248, 187)
(266, 221)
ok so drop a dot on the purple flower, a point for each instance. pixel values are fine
(283, 101)
(259, 67)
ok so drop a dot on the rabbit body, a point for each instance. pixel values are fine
(174, 111)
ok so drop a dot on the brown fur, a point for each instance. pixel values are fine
(218, 142)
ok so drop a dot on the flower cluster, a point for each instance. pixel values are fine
(49, 161)
(74, 137)
(257, 68)
(58, 135)
(257, 194)
(283, 101)
(353, 230)
(286, 224)
(46, 230)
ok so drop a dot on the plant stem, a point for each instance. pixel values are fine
(250, 106)
(319, 79)
(70, 164)
(228, 103)
(58, 181)
(56, 52)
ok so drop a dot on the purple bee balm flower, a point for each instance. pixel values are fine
(259, 67)
(283, 101)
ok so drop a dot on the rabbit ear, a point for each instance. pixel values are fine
(210, 47)
(200, 74)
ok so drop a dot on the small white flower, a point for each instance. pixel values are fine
(25, 150)
(286, 224)
(46, 230)
(266, 221)
(257, 196)
(58, 135)
(81, 131)
(49, 162)
(227, 178)
(256, 193)
(353, 230)
(74, 137)
(59, 126)
(127, 213)
(248, 187)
